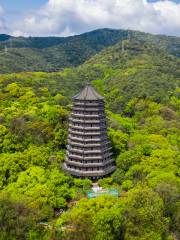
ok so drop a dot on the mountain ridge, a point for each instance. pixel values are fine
(56, 53)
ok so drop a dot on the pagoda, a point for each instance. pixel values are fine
(89, 152)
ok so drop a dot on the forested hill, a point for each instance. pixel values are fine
(50, 54)
(141, 86)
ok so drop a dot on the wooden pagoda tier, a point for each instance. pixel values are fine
(88, 150)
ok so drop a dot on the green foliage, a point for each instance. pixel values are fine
(141, 90)
(127, 159)
(119, 140)
(55, 53)
(39, 188)
(144, 215)
(105, 182)
(167, 185)
(17, 221)
(81, 186)
(99, 219)
(83, 183)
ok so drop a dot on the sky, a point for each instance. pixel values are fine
(70, 17)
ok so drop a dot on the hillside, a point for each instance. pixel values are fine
(141, 86)
(55, 53)
(141, 70)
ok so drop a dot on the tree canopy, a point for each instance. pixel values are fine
(141, 88)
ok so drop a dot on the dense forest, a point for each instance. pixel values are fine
(140, 81)
(51, 54)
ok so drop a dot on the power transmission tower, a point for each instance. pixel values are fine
(5, 49)
(129, 35)
(122, 46)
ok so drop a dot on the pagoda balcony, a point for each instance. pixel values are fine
(83, 157)
(85, 144)
(103, 156)
(92, 104)
(87, 115)
(93, 173)
(87, 128)
(102, 130)
(75, 150)
(88, 109)
(81, 139)
(88, 133)
(73, 120)
(89, 164)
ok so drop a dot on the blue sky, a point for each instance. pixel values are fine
(69, 17)
(34, 4)
(21, 4)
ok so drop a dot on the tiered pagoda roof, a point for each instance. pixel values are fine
(88, 150)
(88, 93)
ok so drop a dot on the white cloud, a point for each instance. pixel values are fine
(1, 10)
(68, 17)
(2, 21)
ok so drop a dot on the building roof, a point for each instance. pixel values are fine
(88, 93)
